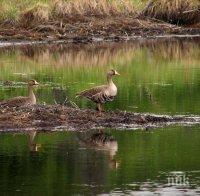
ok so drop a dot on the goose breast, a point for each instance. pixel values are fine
(111, 90)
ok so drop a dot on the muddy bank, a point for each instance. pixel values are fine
(57, 117)
(93, 29)
(87, 21)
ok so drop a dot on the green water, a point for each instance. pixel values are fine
(139, 162)
(159, 76)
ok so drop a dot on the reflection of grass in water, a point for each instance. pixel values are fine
(146, 70)
(158, 56)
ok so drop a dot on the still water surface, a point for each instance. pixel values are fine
(68, 163)
(157, 76)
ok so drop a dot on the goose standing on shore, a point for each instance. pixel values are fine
(23, 101)
(101, 94)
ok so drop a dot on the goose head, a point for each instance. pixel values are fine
(113, 72)
(32, 83)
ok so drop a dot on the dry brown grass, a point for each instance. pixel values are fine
(175, 11)
(70, 9)
(92, 7)
(38, 13)
(29, 12)
(64, 10)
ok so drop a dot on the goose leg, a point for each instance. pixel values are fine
(101, 106)
(98, 108)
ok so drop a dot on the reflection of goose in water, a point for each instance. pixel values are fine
(102, 141)
(22, 101)
(33, 147)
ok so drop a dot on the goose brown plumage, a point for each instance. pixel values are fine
(101, 94)
(22, 101)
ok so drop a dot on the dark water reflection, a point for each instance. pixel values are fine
(160, 76)
(108, 162)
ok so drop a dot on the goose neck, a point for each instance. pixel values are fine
(31, 94)
(109, 79)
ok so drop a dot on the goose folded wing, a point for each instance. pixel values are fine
(102, 97)
(89, 93)
(97, 94)
(14, 102)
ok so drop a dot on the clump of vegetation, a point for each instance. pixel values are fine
(92, 7)
(33, 11)
(9, 13)
(174, 11)
(38, 13)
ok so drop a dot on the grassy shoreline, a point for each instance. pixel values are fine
(85, 19)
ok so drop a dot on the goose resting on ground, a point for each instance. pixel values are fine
(101, 94)
(22, 101)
